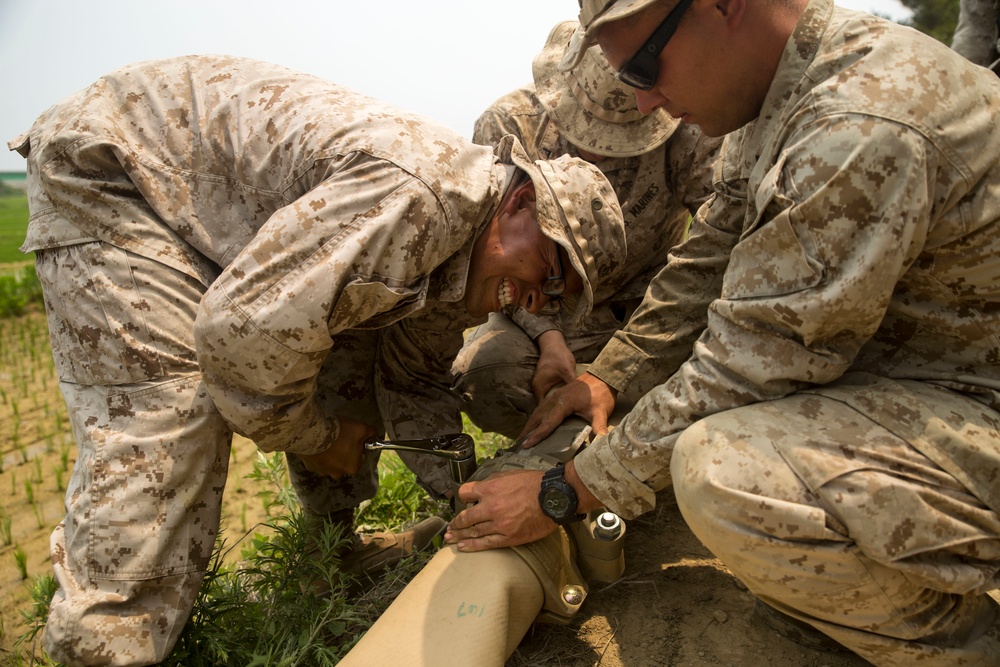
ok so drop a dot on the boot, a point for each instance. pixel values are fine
(372, 552)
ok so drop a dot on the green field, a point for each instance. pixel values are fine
(13, 223)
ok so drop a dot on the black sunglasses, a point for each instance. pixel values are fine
(554, 286)
(642, 69)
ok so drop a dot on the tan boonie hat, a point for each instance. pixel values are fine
(590, 106)
(594, 14)
(577, 208)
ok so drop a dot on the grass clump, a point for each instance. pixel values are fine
(19, 290)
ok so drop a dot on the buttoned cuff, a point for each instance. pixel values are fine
(617, 366)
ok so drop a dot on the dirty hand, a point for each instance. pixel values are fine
(346, 454)
(506, 512)
(586, 396)
(556, 364)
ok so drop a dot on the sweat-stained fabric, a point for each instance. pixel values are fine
(229, 245)
(818, 367)
(658, 192)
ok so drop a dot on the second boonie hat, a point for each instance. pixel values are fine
(590, 106)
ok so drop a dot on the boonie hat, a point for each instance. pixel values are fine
(594, 14)
(577, 208)
(590, 106)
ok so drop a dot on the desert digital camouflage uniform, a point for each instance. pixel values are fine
(326, 237)
(658, 191)
(977, 35)
(829, 412)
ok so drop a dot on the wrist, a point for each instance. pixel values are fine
(586, 501)
(549, 339)
(557, 499)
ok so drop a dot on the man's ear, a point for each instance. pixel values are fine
(523, 196)
(731, 10)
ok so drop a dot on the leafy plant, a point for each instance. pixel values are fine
(42, 591)
(13, 223)
(18, 291)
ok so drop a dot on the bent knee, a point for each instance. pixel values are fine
(728, 476)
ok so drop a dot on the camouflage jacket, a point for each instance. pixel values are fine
(308, 209)
(657, 191)
(855, 227)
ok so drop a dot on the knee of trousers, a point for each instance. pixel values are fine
(492, 375)
(497, 399)
(730, 483)
(696, 488)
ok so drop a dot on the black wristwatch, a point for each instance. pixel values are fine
(557, 498)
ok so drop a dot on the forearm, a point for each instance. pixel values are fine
(586, 501)
(660, 334)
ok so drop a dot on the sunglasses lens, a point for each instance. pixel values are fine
(636, 77)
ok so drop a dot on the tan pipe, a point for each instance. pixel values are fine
(461, 609)
(474, 608)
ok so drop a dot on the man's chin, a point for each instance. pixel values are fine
(476, 308)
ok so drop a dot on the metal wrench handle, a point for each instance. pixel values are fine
(458, 448)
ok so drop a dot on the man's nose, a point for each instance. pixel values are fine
(648, 101)
(534, 301)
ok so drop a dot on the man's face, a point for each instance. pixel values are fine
(700, 79)
(511, 260)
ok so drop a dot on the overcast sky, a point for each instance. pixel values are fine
(447, 59)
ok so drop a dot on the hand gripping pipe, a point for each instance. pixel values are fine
(474, 608)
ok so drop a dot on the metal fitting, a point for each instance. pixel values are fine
(607, 526)
(573, 595)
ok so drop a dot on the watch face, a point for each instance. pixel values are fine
(555, 503)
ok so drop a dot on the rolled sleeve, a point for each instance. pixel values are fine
(535, 325)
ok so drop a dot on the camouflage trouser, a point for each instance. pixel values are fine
(494, 369)
(143, 502)
(835, 520)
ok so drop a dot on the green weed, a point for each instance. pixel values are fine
(13, 224)
(6, 536)
(21, 560)
(42, 590)
(18, 291)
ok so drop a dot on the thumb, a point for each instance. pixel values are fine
(599, 422)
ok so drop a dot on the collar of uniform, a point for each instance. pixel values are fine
(790, 76)
(448, 282)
